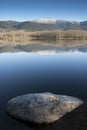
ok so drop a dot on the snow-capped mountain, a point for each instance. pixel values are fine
(46, 20)
(54, 21)
(58, 24)
(67, 21)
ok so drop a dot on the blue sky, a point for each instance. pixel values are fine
(22, 10)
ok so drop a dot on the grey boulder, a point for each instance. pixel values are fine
(41, 107)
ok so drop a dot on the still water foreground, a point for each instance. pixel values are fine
(60, 70)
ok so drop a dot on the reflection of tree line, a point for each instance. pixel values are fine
(60, 36)
(14, 36)
(62, 43)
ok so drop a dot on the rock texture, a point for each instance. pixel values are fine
(41, 107)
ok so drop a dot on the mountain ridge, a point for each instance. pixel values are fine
(42, 24)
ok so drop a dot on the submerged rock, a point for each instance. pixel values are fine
(41, 107)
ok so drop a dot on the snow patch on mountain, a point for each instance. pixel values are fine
(46, 20)
(74, 22)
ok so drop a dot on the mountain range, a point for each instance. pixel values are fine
(42, 24)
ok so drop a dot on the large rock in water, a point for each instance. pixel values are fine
(41, 107)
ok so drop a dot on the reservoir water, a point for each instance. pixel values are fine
(28, 70)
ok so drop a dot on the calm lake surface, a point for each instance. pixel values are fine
(60, 71)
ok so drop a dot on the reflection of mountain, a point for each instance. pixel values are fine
(46, 52)
(47, 47)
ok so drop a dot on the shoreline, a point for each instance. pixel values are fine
(22, 37)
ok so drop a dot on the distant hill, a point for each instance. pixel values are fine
(68, 24)
(8, 24)
(83, 25)
(35, 26)
(42, 24)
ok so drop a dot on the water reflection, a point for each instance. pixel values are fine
(34, 72)
(56, 46)
(37, 68)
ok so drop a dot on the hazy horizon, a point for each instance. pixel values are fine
(24, 20)
(27, 10)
